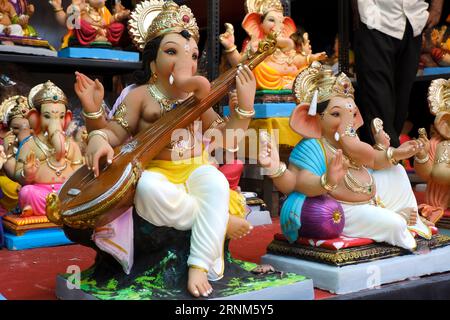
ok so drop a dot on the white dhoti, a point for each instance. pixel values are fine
(385, 224)
(200, 204)
(16, 30)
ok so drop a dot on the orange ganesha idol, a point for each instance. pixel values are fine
(433, 163)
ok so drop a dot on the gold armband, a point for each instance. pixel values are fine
(119, 117)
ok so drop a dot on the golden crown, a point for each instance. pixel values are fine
(439, 96)
(173, 19)
(320, 81)
(263, 6)
(14, 107)
(46, 92)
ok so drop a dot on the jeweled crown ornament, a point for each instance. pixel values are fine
(317, 84)
(263, 6)
(173, 19)
(439, 96)
(46, 92)
(12, 108)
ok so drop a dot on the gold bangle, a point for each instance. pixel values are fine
(422, 161)
(93, 115)
(243, 114)
(230, 49)
(325, 185)
(390, 156)
(58, 10)
(76, 163)
(98, 133)
(308, 59)
(280, 171)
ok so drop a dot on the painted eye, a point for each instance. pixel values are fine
(171, 52)
(46, 116)
(335, 114)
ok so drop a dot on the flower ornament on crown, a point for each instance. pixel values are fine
(46, 92)
(173, 19)
(439, 96)
(263, 6)
(317, 84)
(12, 108)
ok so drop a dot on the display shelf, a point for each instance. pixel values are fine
(66, 65)
(433, 77)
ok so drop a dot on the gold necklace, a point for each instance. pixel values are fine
(94, 14)
(333, 150)
(58, 170)
(349, 180)
(165, 103)
(356, 186)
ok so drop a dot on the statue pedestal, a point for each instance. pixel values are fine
(369, 273)
(301, 290)
(36, 239)
(160, 272)
(2, 297)
(27, 45)
(99, 53)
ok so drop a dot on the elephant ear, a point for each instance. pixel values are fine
(304, 124)
(252, 25)
(442, 124)
(34, 118)
(67, 119)
(289, 27)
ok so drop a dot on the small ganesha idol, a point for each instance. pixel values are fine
(266, 18)
(433, 163)
(16, 30)
(97, 26)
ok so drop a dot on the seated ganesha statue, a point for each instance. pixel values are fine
(364, 183)
(433, 163)
(265, 18)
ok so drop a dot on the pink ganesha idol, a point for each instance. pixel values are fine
(49, 158)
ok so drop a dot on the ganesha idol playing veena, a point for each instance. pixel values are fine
(293, 52)
(363, 188)
(173, 243)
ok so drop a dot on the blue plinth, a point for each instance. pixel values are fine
(36, 239)
(436, 71)
(269, 110)
(99, 53)
(1, 233)
(2, 297)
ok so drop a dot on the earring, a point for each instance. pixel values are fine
(154, 78)
(171, 79)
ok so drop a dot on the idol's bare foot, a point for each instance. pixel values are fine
(27, 211)
(427, 222)
(238, 227)
(198, 284)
